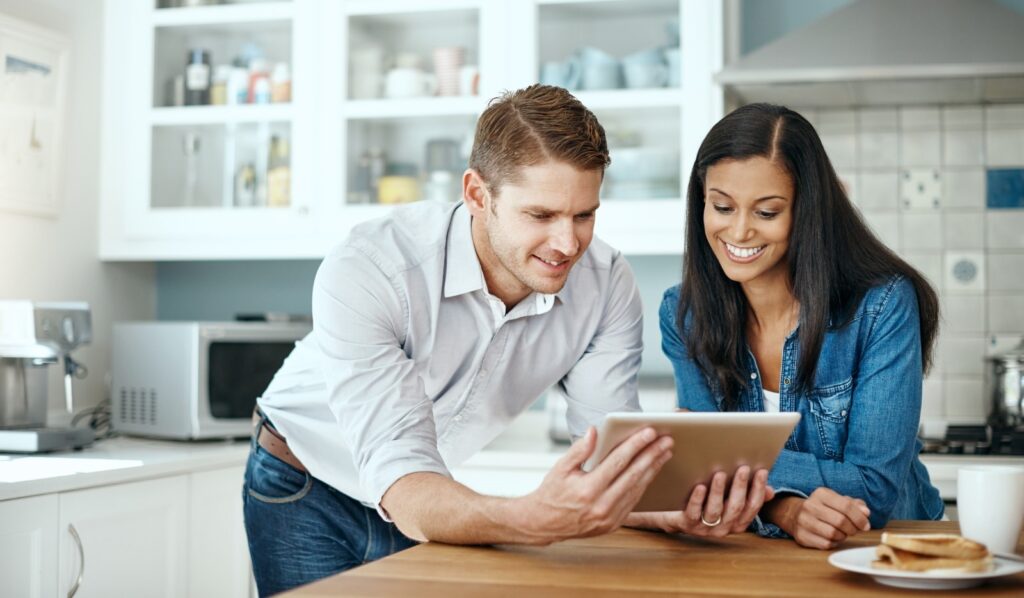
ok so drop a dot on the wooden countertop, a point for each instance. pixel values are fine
(631, 563)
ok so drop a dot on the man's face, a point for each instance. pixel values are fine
(531, 234)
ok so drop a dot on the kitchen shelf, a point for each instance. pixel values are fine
(622, 99)
(223, 14)
(415, 107)
(213, 115)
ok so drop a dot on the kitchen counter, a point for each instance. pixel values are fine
(113, 461)
(630, 563)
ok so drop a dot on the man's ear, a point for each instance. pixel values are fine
(474, 192)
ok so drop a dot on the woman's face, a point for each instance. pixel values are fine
(748, 214)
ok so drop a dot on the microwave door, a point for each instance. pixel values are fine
(239, 371)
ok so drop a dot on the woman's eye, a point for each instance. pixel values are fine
(767, 215)
(722, 209)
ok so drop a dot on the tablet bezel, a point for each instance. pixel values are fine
(705, 443)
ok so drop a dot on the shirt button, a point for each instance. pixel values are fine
(458, 418)
(753, 375)
(843, 413)
(787, 381)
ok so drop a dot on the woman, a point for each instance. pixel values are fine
(790, 303)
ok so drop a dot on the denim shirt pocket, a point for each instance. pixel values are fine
(830, 410)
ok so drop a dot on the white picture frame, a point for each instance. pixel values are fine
(33, 90)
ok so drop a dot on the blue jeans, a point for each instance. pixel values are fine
(301, 530)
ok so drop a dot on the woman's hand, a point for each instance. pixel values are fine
(823, 520)
(711, 514)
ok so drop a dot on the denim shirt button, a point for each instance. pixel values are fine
(787, 381)
(753, 375)
(843, 413)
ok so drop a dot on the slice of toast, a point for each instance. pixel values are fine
(938, 545)
(902, 560)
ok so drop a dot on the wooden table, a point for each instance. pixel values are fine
(631, 563)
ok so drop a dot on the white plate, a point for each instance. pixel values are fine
(858, 560)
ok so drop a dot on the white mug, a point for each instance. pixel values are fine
(990, 505)
(409, 83)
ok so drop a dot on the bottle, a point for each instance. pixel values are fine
(279, 175)
(245, 186)
(378, 164)
(197, 78)
(259, 82)
(281, 83)
(238, 84)
(219, 89)
(359, 190)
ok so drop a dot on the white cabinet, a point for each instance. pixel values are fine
(385, 95)
(125, 540)
(218, 555)
(28, 547)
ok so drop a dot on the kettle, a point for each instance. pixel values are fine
(1007, 384)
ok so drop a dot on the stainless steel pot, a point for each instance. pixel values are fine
(23, 397)
(1007, 379)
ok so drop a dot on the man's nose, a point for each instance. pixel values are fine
(563, 239)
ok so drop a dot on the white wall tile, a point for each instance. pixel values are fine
(965, 400)
(963, 188)
(879, 149)
(963, 147)
(963, 230)
(928, 264)
(878, 119)
(921, 189)
(841, 148)
(968, 117)
(878, 190)
(919, 117)
(962, 355)
(964, 271)
(1004, 229)
(932, 404)
(963, 313)
(836, 119)
(1005, 313)
(1006, 271)
(1004, 146)
(1005, 114)
(886, 226)
(921, 148)
(921, 231)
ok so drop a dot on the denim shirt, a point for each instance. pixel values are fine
(858, 427)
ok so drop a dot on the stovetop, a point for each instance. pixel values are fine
(976, 440)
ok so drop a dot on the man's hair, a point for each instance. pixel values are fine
(536, 124)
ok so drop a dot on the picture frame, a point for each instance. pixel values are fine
(33, 89)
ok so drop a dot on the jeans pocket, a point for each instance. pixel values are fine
(830, 409)
(271, 480)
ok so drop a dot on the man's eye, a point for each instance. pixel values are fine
(584, 217)
(540, 216)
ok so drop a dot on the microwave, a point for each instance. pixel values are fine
(194, 380)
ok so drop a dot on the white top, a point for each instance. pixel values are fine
(410, 368)
(771, 401)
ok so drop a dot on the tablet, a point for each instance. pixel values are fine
(705, 443)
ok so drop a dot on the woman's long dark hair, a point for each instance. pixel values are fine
(834, 259)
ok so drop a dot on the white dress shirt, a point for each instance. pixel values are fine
(412, 366)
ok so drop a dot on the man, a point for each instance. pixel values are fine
(435, 327)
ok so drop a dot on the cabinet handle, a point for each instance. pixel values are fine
(81, 559)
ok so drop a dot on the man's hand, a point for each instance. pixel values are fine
(733, 512)
(571, 503)
(823, 520)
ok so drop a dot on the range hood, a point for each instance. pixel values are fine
(888, 52)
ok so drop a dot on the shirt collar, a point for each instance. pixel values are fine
(463, 274)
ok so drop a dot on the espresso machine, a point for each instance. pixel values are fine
(33, 338)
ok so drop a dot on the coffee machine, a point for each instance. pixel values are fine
(33, 337)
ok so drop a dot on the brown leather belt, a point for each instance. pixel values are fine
(275, 444)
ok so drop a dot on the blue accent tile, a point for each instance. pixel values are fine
(1005, 188)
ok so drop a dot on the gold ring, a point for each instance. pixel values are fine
(710, 523)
